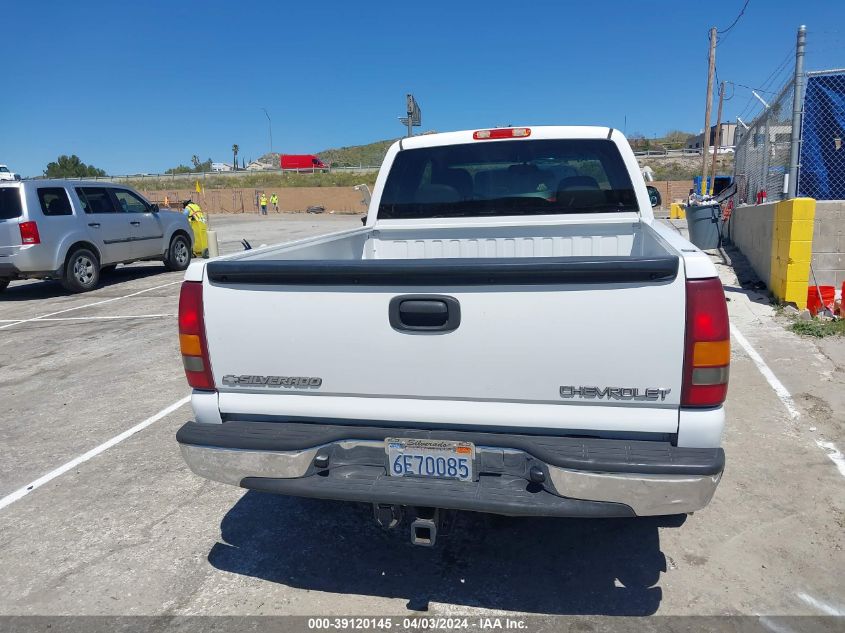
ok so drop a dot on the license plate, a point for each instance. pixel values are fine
(438, 459)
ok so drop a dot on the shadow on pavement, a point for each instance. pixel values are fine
(556, 566)
(44, 289)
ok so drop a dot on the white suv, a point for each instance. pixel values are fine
(5, 174)
(74, 230)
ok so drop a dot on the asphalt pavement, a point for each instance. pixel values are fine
(116, 524)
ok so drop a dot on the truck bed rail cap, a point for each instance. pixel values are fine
(447, 271)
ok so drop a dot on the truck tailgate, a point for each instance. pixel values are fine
(586, 343)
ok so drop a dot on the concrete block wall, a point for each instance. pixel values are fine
(751, 229)
(792, 249)
(672, 190)
(829, 243)
(777, 239)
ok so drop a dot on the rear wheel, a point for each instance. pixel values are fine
(82, 271)
(178, 254)
(4, 283)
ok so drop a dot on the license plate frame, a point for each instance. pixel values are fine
(430, 459)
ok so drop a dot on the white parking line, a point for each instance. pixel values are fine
(25, 490)
(88, 305)
(824, 607)
(782, 392)
(92, 318)
(768, 374)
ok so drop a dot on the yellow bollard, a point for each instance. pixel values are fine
(677, 212)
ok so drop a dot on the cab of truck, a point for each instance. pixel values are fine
(7, 174)
(301, 161)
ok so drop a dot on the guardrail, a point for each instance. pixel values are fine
(669, 152)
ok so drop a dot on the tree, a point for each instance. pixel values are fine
(637, 141)
(235, 150)
(71, 167)
(199, 167)
(676, 138)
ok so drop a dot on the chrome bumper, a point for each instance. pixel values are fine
(645, 494)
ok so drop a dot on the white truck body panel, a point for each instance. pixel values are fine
(515, 348)
(560, 360)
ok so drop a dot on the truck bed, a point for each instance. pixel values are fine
(608, 239)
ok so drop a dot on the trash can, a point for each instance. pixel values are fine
(703, 224)
(200, 229)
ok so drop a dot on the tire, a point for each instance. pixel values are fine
(4, 283)
(108, 270)
(178, 253)
(82, 271)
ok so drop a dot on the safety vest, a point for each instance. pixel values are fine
(195, 212)
(274, 198)
(263, 200)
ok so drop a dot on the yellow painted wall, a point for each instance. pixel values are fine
(792, 250)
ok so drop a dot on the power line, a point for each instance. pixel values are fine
(735, 83)
(733, 24)
(773, 76)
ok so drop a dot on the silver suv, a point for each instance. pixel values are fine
(74, 230)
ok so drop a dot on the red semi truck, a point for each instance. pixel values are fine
(301, 161)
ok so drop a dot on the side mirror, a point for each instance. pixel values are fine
(154, 208)
(654, 196)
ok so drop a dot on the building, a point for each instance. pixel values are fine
(728, 135)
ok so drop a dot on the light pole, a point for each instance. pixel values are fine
(270, 126)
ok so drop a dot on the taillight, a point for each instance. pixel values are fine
(502, 132)
(192, 341)
(707, 352)
(29, 233)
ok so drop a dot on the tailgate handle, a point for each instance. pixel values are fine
(424, 314)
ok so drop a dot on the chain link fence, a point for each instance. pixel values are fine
(822, 157)
(763, 148)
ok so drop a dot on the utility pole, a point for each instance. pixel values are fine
(797, 107)
(718, 140)
(270, 126)
(711, 69)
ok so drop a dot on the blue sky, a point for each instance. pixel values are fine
(142, 86)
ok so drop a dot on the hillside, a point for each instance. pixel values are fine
(369, 155)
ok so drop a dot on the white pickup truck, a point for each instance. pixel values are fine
(510, 332)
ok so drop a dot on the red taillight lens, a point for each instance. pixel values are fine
(192, 341)
(504, 132)
(707, 352)
(29, 233)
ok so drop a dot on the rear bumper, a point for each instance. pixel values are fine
(581, 477)
(20, 267)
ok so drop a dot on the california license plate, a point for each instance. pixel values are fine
(439, 459)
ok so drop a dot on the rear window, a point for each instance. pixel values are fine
(498, 178)
(95, 199)
(10, 203)
(54, 201)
